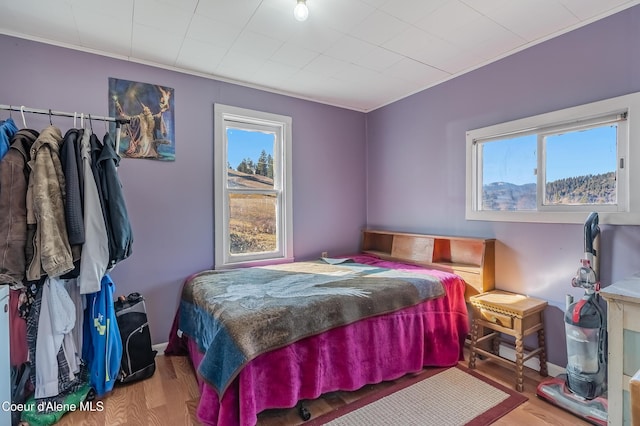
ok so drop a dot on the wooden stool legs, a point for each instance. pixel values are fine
(474, 341)
(505, 313)
(519, 363)
(543, 354)
(478, 336)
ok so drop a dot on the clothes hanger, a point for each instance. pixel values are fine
(50, 122)
(24, 122)
(90, 123)
(82, 120)
(75, 114)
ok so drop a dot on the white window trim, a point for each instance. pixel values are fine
(223, 259)
(628, 209)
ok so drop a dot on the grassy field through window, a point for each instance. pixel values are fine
(252, 224)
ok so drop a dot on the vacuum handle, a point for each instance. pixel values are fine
(591, 231)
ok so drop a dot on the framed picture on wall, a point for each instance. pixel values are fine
(150, 109)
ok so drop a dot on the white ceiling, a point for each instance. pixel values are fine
(358, 54)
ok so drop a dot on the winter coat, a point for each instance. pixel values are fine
(45, 208)
(14, 178)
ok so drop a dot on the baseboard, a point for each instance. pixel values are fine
(533, 363)
(160, 347)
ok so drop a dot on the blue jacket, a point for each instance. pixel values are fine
(7, 130)
(102, 345)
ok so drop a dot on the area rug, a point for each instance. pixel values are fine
(450, 396)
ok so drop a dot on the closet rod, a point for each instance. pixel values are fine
(63, 114)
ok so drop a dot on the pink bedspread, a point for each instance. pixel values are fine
(346, 358)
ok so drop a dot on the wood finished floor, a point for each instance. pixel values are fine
(170, 398)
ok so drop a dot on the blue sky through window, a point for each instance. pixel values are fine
(570, 154)
(247, 144)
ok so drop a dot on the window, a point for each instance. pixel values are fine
(253, 220)
(557, 167)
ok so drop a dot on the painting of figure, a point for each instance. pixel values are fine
(149, 109)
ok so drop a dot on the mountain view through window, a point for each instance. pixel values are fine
(579, 168)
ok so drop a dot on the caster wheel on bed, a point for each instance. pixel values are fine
(304, 412)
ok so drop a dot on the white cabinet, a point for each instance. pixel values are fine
(5, 367)
(623, 329)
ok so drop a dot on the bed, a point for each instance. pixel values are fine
(393, 309)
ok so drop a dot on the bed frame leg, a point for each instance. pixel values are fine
(303, 411)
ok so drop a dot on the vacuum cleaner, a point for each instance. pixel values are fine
(582, 390)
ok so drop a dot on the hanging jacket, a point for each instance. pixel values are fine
(68, 381)
(7, 129)
(55, 323)
(96, 149)
(102, 345)
(116, 216)
(14, 178)
(45, 208)
(73, 200)
(18, 348)
(95, 251)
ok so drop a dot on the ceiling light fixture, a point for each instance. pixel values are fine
(301, 12)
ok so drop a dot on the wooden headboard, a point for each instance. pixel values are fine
(471, 258)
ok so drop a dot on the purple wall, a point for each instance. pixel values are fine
(171, 204)
(416, 158)
(410, 157)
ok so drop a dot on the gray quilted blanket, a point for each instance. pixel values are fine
(236, 315)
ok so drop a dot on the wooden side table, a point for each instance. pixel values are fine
(512, 314)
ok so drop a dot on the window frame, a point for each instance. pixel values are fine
(247, 119)
(627, 208)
